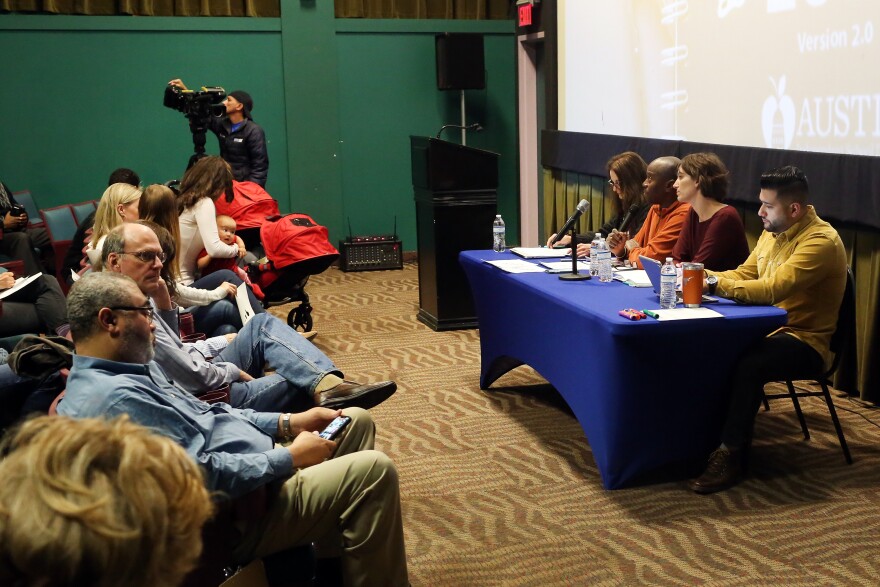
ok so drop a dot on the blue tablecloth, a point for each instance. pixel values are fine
(646, 393)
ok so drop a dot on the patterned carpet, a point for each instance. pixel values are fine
(500, 487)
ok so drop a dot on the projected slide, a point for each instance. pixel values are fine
(787, 74)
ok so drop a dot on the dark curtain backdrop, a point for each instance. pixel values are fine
(270, 8)
(448, 9)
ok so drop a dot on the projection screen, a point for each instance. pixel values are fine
(786, 74)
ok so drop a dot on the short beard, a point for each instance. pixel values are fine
(135, 350)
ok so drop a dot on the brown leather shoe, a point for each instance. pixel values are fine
(725, 469)
(350, 394)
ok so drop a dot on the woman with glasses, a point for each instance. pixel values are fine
(713, 232)
(118, 204)
(627, 172)
(214, 310)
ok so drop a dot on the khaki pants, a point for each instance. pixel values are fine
(348, 506)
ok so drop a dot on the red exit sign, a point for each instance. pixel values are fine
(525, 14)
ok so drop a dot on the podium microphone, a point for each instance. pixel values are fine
(476, 127)
(581, 208)
(624, 224)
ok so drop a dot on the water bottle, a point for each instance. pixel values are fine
(667, 285)
(594, 261)
(498, 234)
(603, 256)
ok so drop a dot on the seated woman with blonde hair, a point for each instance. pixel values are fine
(118, 204)
(92, 502)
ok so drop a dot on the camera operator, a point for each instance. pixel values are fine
(242, 141)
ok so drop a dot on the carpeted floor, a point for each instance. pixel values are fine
(499, 487)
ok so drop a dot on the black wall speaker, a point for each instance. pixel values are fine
(460, 61)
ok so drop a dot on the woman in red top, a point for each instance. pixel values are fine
(713, 232)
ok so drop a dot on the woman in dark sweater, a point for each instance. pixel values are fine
(627, 172)
(713, 232)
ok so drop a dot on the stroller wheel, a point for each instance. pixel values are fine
(300, 318)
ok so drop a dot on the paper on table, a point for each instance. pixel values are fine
(19, 283)
(686, 314)
(633, 277)
(538, 252)
(564, 265)
(516, 266)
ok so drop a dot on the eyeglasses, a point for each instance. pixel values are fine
(147, 256)
(614, 184)
(146, 310)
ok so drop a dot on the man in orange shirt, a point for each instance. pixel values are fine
(659, 233)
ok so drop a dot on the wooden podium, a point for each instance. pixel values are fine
(456, 195)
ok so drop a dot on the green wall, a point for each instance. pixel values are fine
(338, 100)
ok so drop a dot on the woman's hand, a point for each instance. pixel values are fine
(7, 280)
(563, 242)
(231, 289)
(11, 222)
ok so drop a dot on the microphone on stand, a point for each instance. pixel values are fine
(624, 224)
(581, 208)
(476, 127)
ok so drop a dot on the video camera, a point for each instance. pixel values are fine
(197, 106)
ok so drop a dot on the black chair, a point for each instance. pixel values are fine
(840, 343)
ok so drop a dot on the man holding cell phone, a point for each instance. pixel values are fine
(340, 495)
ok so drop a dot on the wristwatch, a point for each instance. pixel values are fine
(712, 282)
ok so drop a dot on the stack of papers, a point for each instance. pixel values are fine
(685, 314)
(633, 277)
(516, 266)
(538, 252)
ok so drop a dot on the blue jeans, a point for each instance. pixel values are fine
(298, 364)
(220, 317)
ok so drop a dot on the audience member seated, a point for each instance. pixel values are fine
(214, 311)
(807, 278)
(627, 172)
(118, 204)
(303, 374)
(341, 496)
(204, 182)
(38, 307)
(104, 504)
(17, 241)
(660, 231)
(713, 233)
(76, 261)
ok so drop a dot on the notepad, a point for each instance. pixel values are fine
(20, 283)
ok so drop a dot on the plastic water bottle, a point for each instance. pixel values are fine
(603, 256)
(667, 285)
(498, 234)
(594, 260)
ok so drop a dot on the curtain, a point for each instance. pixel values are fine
(859, 371)
(268, 8)
(447, 9)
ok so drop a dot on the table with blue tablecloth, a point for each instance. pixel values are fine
(648, 394)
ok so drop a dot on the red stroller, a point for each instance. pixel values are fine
(294, 247)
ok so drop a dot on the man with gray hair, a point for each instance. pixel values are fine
(303, 374)
(340, 495)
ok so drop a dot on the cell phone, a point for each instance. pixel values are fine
(335, 428)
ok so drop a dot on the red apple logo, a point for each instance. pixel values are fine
(778, 117)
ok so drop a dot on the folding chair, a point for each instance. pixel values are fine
(61, 227)
(81, 211)
(840, 342)
(25, 198)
